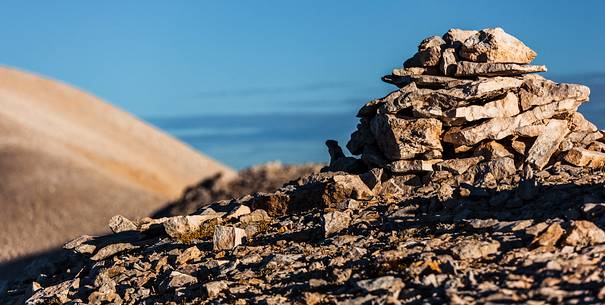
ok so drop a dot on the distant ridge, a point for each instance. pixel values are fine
(69, 161)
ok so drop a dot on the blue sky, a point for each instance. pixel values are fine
(161, 58)
(253, 81)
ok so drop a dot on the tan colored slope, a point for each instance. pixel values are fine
(69, 161)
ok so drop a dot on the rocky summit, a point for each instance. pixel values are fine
(477, 183)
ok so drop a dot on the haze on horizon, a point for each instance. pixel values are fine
(187, 66)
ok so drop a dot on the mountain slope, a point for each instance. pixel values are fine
(69, 161)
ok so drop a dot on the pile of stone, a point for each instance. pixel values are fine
(466, 102)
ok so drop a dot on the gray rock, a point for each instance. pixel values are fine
(411, 166)
(238, 212)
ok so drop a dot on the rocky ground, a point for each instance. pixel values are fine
(476, 184)
(515, 241)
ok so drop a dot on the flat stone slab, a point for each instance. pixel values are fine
(468, 68)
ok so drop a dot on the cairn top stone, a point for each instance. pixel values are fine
(462, 53)
(496, 46)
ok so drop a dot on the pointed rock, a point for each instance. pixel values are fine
(177, 279)
(191, 253)
(238, 211)
(496, 46)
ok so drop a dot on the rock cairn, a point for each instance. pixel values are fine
(467, 103)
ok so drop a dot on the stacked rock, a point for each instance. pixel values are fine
(468, 100)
